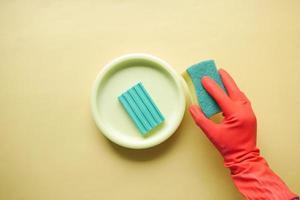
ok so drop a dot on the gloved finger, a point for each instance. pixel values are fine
(244, 97)
(208, 126)
(231, 87)
(217, 93)
(233, 91)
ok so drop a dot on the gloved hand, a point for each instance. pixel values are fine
(235, 138)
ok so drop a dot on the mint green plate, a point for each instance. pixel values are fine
(161, 81)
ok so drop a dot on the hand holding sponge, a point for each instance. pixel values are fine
(235, 138)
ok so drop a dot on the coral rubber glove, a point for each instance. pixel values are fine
(235, 138)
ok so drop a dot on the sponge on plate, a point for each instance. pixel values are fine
(141, 108)
(196, 72)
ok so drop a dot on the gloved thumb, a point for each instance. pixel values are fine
(208, 126)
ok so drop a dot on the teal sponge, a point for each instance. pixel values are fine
(141, 108)
(196, 72)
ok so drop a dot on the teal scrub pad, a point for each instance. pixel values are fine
(196, 72)
(141, 108)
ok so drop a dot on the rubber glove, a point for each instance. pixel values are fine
(235, 138)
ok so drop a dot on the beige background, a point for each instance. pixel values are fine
(51, 51)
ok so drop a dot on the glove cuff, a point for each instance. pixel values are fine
(255, 180)
(239, 161)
